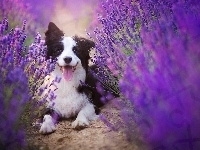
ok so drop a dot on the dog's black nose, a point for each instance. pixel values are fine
(67, 60)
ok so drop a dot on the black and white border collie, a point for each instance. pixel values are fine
(73, 98)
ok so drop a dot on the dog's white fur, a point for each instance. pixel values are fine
(48, 125)
(69, 102)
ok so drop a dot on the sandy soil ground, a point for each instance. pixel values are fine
(96, 137)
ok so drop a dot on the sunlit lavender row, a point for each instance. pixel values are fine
(153, 48)
(22, 72)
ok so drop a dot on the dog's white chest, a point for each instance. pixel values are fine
(68, 100)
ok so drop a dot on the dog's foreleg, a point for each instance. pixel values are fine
(84, 117)
(49, 122)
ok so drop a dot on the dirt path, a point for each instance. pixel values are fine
(96, 137)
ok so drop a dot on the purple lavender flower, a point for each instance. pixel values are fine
(14, 91)
(22, 74)
(154, 46)
(37, 15)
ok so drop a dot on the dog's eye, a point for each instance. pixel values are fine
(58, 49)
(57, 52)
(74, 49)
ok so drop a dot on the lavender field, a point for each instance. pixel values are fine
(147, 51)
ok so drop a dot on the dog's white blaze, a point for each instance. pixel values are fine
(68, 43)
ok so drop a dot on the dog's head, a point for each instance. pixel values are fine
(69, 52)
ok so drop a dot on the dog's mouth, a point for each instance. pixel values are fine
(68, 72)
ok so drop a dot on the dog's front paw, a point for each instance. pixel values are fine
(47, 126)
(80, 123)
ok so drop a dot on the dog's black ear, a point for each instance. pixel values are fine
(53, 33)
(52, 27)
(84, 43)
(90, 44)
